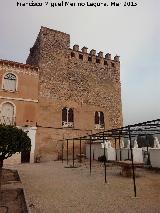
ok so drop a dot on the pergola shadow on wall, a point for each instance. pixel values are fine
(130, 132)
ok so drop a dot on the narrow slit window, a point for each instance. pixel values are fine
(72, 54)
(105, 63)
(89, 58)
(112, 64)
(98, 60)
(81, 56)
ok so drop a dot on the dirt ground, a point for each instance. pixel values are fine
(52, 188)
(11, 196)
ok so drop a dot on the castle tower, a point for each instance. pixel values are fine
(78, 92)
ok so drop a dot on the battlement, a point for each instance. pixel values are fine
(53, 42)
(15, 64)
(91, 56)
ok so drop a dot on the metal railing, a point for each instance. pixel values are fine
(99, 126)
(8, 120)
(67, 124)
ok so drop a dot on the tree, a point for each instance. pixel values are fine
(12, 140)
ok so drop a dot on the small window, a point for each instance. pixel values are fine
(9, 82)
(67, 117)
(105, 63)
(99, 120)
(98, 60)
(81, 56)
(89, 58)
(112, 64)
(72, 54)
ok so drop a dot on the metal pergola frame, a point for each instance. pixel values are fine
(131, 131)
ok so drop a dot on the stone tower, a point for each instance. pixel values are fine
(76, 79)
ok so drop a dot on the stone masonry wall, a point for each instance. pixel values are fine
(69, 76)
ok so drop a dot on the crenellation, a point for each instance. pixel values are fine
(93, 52)
(84, 50)
(76, 47)
(108, 56)
(116, 58)
(92, 57)
(84, 56)
(100, 54)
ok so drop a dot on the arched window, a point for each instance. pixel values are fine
(9, 82)
(7, 116)
(67, 117)
(99, 120)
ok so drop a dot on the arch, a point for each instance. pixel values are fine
(70, 115)
(96, 118)
(64, 114)
(8, 112)
(101, 118)
(10, 82)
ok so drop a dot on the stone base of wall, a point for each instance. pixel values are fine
(16, 159)
(49, 143)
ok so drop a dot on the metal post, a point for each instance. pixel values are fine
(128, 153)
(116, 148)
(148, 156)
(62, 152)
(90, 154)
(105, 179)
(80, 151)
(120, 148)
(67, 151)
(134, 182)
(73, 152)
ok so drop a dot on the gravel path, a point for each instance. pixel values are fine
(52, 188)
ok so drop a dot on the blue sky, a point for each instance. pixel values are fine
(133, 33)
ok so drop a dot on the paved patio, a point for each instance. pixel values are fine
(51, 188)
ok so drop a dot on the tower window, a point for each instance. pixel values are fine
(72, 54)
(67, 117)
(105, 63)
(99, 120)
(98, 60)
(89, 58)
(81, 56)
